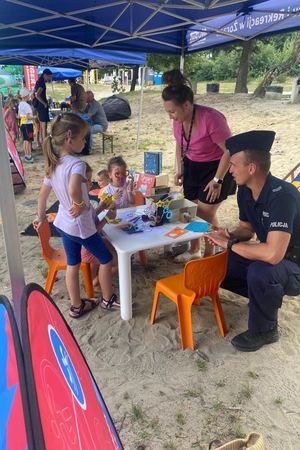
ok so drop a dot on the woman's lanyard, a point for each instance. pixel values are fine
(184, 151)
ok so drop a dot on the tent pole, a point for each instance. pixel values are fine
(10, 227)
(87, 78)
(143, 68)
(181, 64)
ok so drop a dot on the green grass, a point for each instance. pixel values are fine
(252, 374)
(180, 419)
(246, 392)
(137, 413)
(201, 364)
(278, 401)
(169, 446)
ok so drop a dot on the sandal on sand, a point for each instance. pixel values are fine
(86, 306)
(111, 304)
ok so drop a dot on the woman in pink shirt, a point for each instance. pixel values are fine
(202, 158)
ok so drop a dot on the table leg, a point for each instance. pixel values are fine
(124, 264)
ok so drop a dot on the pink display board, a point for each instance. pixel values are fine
(71, 411)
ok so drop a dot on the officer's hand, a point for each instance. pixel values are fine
(221, 231)
(215, 238)
(213, 190)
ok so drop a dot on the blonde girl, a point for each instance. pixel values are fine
(66, 175)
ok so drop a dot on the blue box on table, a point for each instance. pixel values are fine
(153, 162)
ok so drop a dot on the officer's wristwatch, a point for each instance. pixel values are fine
(218, 180)
(231, 242)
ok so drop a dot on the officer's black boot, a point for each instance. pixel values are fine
(250, 342)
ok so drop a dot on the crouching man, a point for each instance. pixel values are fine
(267, 269)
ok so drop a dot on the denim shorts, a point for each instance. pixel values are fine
(94, 244)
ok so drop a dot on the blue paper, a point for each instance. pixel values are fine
(197, 227)
(153, 163)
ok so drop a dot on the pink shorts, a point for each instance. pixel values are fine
(87, 257)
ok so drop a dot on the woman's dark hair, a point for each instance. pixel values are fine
(178, 89)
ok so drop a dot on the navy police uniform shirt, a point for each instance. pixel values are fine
(276, 209)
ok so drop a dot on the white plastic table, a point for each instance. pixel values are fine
(127, 244)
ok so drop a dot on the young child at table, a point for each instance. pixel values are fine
(66, 175)
(117, 169)
(10, 118)
(26, 124)
(102, 180)
(88, 257)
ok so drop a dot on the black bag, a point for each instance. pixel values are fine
(116, 108)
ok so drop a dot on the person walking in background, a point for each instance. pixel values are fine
(10, 118)
(26, 124)
(96, 116)
(77, 99)
(40, 102)
(202, 158)
(66, 175)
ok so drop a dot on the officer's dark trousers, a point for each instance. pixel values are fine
(264, 285)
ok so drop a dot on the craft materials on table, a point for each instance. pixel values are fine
(198, 227)
(176, 232)
(153, 162)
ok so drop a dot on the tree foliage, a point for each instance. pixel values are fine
(223, 63)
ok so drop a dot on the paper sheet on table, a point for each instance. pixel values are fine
(175, 232)
(197, 227)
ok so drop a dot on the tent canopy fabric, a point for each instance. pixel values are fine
(59, 73)
(80, 58)
(265, 18)
(135, 25)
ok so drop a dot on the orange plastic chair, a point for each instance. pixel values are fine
(140, 200)
(56, 260)
(200, 278)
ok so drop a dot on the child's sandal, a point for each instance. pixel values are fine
(111, 304)
(86, 306)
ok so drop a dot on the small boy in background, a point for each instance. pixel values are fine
(86, 256)
(103, 180)
(26, 124)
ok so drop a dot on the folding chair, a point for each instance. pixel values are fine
(200, 278)
(56, 260)
(294, 176)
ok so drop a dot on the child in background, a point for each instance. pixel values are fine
(26, 124)
(10, 118)
(102, 180)
(66, 175)
(117, 169)
(86, 256)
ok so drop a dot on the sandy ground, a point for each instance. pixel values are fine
(159, 396)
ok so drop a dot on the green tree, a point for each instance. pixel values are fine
(291, 60)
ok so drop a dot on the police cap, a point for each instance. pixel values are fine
(251, 140)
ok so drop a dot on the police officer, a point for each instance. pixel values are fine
(267, 269)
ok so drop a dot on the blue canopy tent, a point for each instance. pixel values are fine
(162, 26)
(75, 58)
(59, 73)
(136, 25)
(265, 18)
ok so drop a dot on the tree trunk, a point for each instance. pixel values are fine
(291, 61)
(242, 76)
(135, 76)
